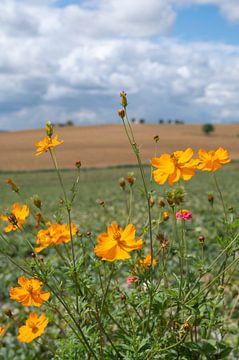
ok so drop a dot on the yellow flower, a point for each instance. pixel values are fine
(34, 327)
(212, 160)
(2, 330)
(56, 234)
(46, 144)
(29, 293)
(172, 167)
(146, 262)
(117, 243)
(17, 217)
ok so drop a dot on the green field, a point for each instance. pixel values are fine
(97, 185)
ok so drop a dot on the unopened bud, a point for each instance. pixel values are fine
(88, 233)
(201, 239)
(12, 184)
(210, 198)
(151, 201)
(49, 129)
(101, 202)
(165, 216)
(121, 113)
(78, 164)
(123, 297)
(33, 255)
(124, 101)
(186, 326)
(37, 201)
(156, 138)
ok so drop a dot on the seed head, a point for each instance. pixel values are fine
(122, 183)
(123, 297)
(37, 201)
(161, 203)
(151, 201)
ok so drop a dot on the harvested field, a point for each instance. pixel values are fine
(107, 145)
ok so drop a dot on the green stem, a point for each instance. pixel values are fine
(220, 194)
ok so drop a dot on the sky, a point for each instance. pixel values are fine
(68, 60)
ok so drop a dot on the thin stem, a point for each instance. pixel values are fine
(220, 194)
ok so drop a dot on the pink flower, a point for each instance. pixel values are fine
(184, 215)
(131, 279)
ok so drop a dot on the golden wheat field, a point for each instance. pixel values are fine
(107, 145)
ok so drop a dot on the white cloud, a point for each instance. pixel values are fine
(71, 62)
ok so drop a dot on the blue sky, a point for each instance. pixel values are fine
(64, 59)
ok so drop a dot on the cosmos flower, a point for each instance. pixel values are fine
(17, 217)
(29, 293)
(117, 243)
(175, 166)
(46, 144)
(184, 215)
(55, 234)
(213, 159)
(146, 262)
(34, 327)
(131, 279)
(2, 330)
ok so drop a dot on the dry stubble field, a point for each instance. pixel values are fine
(107, 145)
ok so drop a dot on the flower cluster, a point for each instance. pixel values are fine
(55, 234)
(180, 165)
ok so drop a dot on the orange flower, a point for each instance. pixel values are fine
(56, 234)
(34, 327)
(117, 243)
(174, 167)
(2, 330)
(146, 262)
(212, 160)
(17, 217)
(46, 144)
(29, 293)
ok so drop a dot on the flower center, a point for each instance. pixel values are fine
(33, 327)
(29, 288)
(117, 236)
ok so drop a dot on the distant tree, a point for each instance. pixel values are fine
(69, 123)
(141, 121)
(208, 128)
(133, 120)
(169, 121)
(161, 121)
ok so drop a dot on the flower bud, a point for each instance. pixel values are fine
(13, 185)
(78, 164)
(165, 216)
(8, 313)
(210, 198)
(123, 297)
(124, 101)
(186, 326)
(151, 201)
(201, 239)
(88, 233)
(33, 255)
(49, 129)
(156, 138)
(37, 201)
(121, 113)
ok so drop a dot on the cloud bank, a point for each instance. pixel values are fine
(71, 62)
